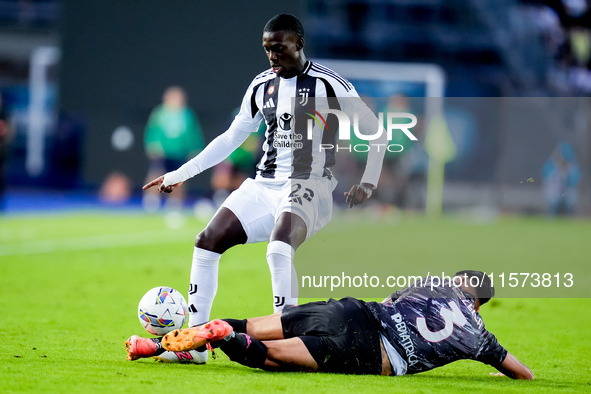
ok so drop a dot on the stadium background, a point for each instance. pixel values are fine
(116, 58)
(72, 266)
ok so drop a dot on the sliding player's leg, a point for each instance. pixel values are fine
(138, 347)
(288, 355)
(262, 328)
(280, 354)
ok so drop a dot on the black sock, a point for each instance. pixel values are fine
(237, 325)
(242, 349)
(160, 349)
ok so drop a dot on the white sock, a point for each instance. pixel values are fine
(204, 285)
(283, 275)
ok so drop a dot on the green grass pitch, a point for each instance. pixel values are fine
(71, 283)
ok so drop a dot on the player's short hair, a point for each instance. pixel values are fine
(286, 22)
(481, 283)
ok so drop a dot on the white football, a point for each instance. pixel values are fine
(161, 310)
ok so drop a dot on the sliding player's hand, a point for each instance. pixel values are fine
(159, 182)
(358, 194)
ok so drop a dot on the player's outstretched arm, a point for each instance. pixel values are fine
(216, 151)
(514, 369)
(359, 193)
(160, 183)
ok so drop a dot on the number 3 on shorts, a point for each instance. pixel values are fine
(450, 317)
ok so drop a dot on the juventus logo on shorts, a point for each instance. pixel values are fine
(279, 301)
(294, 196)
(192, 289)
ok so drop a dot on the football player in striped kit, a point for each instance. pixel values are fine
(290, 198)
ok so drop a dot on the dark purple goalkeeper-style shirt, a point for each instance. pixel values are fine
(430, 326)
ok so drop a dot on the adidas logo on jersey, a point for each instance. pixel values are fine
(269, 104)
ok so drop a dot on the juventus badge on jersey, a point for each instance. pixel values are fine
(304, 93)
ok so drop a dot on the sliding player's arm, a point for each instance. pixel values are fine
(513, 368)
(493, 354)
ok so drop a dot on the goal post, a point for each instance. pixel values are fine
(438, 142)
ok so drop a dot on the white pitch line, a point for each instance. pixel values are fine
(97, 242)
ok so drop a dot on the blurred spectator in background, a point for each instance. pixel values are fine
(241, 164)
(5, 139)
(561, 175)
(116, 189)
(396, 170)
(394, 175)
(173, 135)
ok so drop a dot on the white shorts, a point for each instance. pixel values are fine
(258, 204)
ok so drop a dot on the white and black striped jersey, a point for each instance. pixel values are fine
(285, 105)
